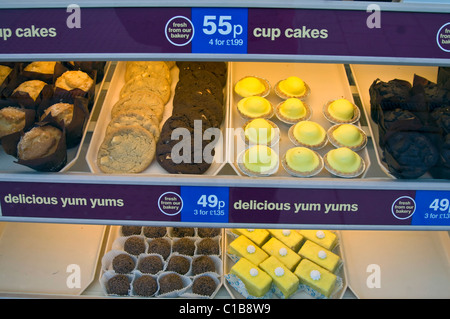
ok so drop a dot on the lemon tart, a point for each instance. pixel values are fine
(261, 131)
(259, 160)
(302, 162)
(347, 135)
(254, 107)
(344, 162)
(341, 111)
(308, 134)
(293, 110)
(252, 86)
(292, 86)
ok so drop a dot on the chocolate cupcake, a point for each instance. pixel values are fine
(179, 264)
(184, 246)
(123, 264)
(160, 246)
(202, 264)
(204, 285)
(118, 285)
(170, 282)
(208, 246)
(154, 232)
(208, 232)
(130, 230)
(150, 264)
(145, 286)
(134, 245)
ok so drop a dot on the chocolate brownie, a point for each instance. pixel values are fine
(219, 69)
(200, 80)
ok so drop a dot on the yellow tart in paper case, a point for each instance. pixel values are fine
(244, 247)
(292, 110)
(341, 111)
(320, 255)
(290, 238)
(347, 135)
(292, 86)
(282, 252)
(283, 278)
(259, 160)
(308, 134)
(302, 162)
(344, 162)
(254, 107)
(252, 86)
(258, 236)
(318, 278)
(261, 131)
(324, 238)
(256, 281)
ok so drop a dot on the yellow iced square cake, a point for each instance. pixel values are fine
(256, 281)
(244, 247)
(282, 277)
(324, 238)
(316, 277)
(283, 253)
(291, 238)
(320, 255)
(258, 236)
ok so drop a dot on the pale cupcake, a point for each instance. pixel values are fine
(292, 111)
(292, 86)
(252, 86)
(344, 162)
(302, 162)
(254, 107)
(308, 134)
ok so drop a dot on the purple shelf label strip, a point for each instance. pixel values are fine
(292, 32)
(225, 205)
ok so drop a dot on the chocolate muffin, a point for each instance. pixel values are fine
(150, 264)
(154, 232)
(204, 286)
(178, 264)
(202, 264)
(134, 245)
(208, 246)
(183, 232)
(145, 286)
(118, 285)
(123, 264)
(159, 246)
(131, 230)
(208, 232)
(184, 246)
(170, 282)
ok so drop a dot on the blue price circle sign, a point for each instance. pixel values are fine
(204, 204)
(220, 30)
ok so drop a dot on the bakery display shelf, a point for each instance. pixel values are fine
(104, 117)
(8, 163)
(44, 260)
(397, 265)
(326, 81)
(365, 74)
(341, 272)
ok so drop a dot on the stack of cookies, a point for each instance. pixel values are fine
(198, 105)
(130, 140)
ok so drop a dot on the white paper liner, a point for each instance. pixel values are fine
(108, 258)
(142, 256)
(216, 240)
(187, 282)
(149, 240)
(189, 258)
(190, 294)
(120, 242)
(138, 274)
(108, 275)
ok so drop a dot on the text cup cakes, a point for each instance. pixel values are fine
(344, 162)
(258, 160)
(252, 86)
(347, 135)
(293, 110)
(292, 86)
(302, 162)
(255, 107)
(341, 111)
(261, 131)
(308, 134)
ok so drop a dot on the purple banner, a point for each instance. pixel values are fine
(312, 32)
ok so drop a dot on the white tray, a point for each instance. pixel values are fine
(327, 82)
(34, 257)
(412, 264)
(8, 162)
(228, 263)
(364, 75)
(112, 96)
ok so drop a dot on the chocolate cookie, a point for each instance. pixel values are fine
(219, 69)
(200, 80)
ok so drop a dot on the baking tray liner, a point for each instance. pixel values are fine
(112, 96)
(326, 81)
